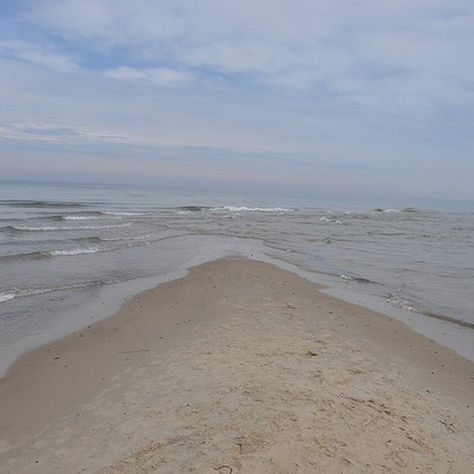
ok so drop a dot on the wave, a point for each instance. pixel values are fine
(332, 221)
(131, 214)
(13, 294)
(71, 215)
(348, 278)
(188, 209)
(31, 229)
(39, 254)
(52, 228)
(449, 319)
(78, 251)
(79, 218)
(40, 204)
(379, 209)
(115, 239)
(89, 215)
(192, 208)
(76, 216)
(409, 306)
(6, 297)
(50, 253)
(252, 209)
(99, 214)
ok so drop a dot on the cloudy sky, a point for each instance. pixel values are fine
(336, 97)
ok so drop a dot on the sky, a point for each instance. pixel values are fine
(331, 97)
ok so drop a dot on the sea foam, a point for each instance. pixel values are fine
(80, 218)
(51, 228)
(6, 297)
(251, 209)
(131, 214)
(78, 251)
(41, 291)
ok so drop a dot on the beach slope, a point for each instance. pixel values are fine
(239, 367)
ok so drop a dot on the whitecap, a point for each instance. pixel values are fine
(51, 228)
(6, 297)
(18, 293)
(378, 209)
(80, 218)
(77, 251)
(110, 213)
(252, 209)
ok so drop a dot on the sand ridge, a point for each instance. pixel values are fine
(239, 367)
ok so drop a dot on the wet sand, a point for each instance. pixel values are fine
(239, 367)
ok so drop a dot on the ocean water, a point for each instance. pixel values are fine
(71, 254)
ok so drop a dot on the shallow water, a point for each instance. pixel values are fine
(71, 251)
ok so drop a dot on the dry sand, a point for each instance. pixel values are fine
(239, 367)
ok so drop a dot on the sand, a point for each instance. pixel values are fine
(239, 367)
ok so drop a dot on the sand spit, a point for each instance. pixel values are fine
(240, 367)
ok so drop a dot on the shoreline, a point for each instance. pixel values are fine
(217, 350)
(449, 332)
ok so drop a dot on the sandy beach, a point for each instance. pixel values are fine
(239, 367)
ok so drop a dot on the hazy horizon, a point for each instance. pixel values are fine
(337, 99)
(196, 194)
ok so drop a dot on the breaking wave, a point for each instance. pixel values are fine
(6, 297)
(78, 251)
(50, 253)
(79, 218)
(12, 294)
(192, 208)
(130, 214)
(252, 209)
(379, 209)
(53, 228)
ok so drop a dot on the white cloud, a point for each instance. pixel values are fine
(241, 56)
(108, 22)
(357, 50)
(39, 56)
(166, 77)
(386, 85)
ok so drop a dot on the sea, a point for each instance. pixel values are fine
(71, 254)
